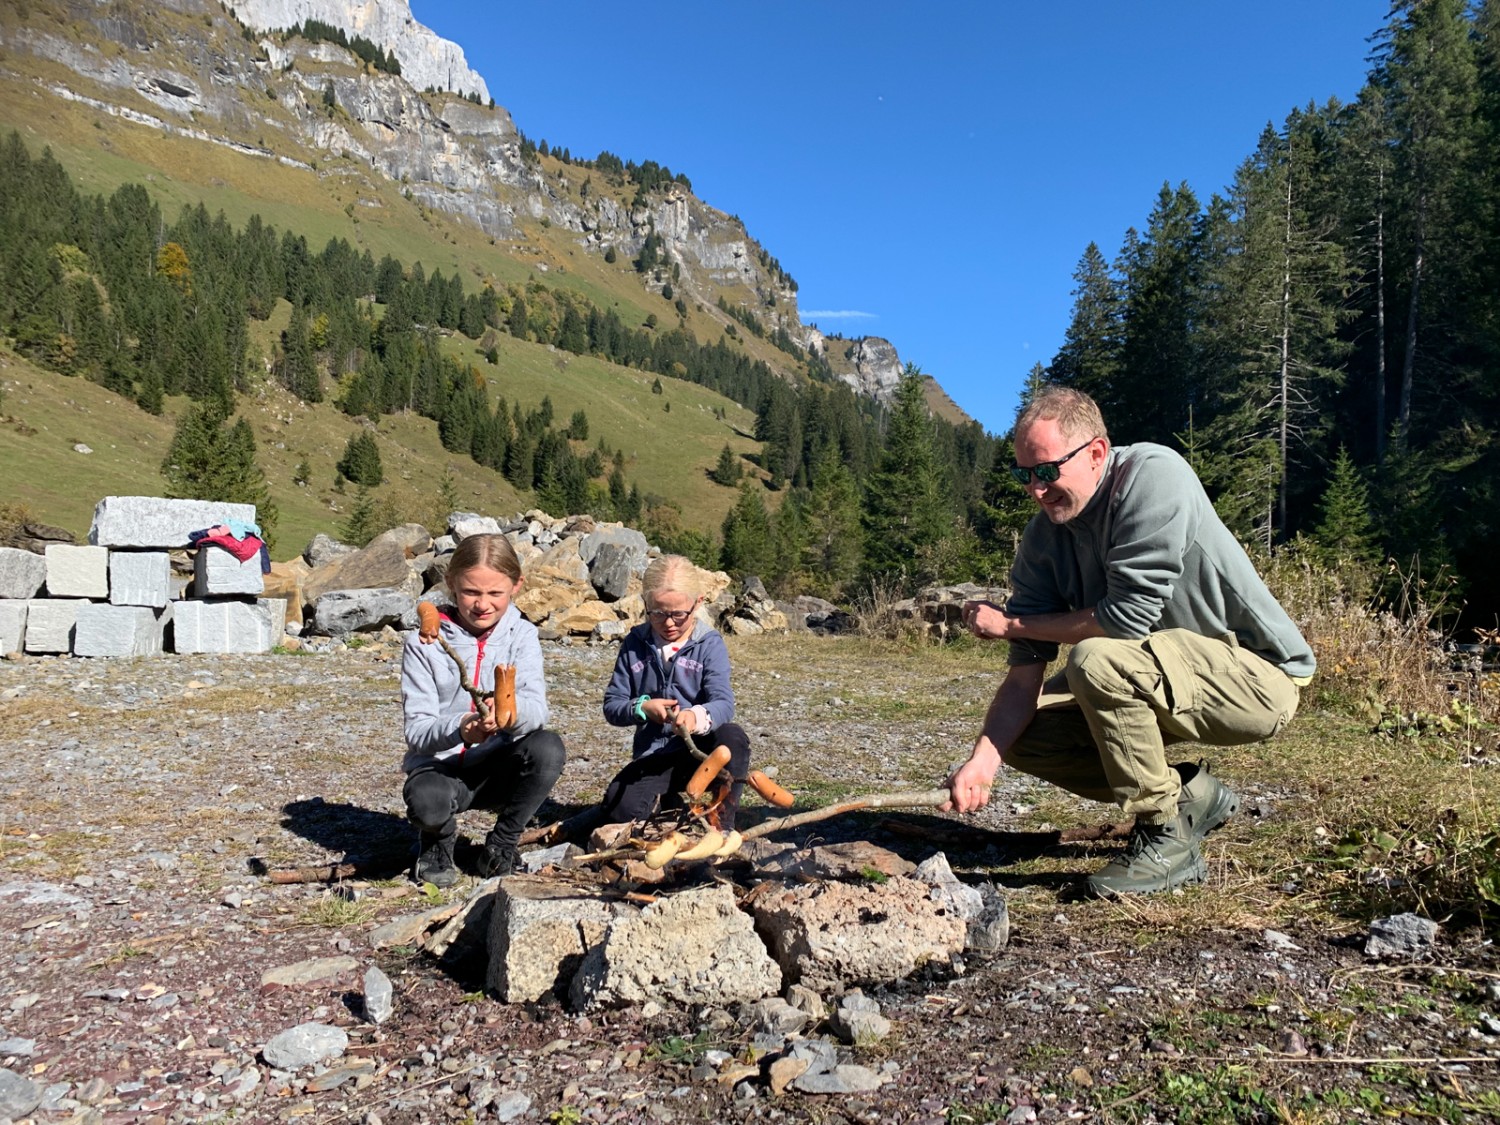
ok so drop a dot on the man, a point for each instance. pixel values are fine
(1175, 638)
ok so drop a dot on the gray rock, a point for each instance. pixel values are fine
(50, 622)
(77, 572)
(304, 1045)
(807, 1000)
(955, 895)
(462, 525)
(150, 521)
(341, 612)
(613, 567)
(217, 573)
(380, 996)
(508, 1107)
(627, 537)
(12, 626)
(323, 549)
(539, 932)
(1401, 935)
(22, 573)
(18, 1095)
(990, 932)
(846, 1078)
(21, 1048)
(119, 630)
(555, 856)
(775, 1016)
(679, 948)
(222, 626)
(140, 578)
(856, 1019)
(316, 970)
(820, 1055)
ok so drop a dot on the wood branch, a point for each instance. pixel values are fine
(373, 867)
(926, 799)
(479, 697)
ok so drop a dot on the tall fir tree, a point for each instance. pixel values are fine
(906, 501)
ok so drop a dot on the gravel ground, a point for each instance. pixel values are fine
(136, 795)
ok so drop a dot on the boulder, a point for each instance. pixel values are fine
(461, 525)
(684, 948)
(855, 860)
(824, 935)
(547, 591)
(140, 578)
(217, 573)
(12, 625)
(562, 558)
(119, 630)
(324, 549)
(49, 623)
(36, 537)
(22, 574)
(621, 536)
(581, 620)
(285, 582)
(228, 625)
(614, 566)
(381, 565)
(338, 613)
(539, 931)
(77, 572)
(150, 521)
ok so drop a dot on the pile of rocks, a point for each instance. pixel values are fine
(115, 596)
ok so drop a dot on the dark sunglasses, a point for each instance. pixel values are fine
(1047, 471)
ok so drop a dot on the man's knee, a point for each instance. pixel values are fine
(1095, 663)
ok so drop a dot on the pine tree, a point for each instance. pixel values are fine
(361, 525)
(833, 549)
(747, 534)
(360, 463)
(1346, 530)
(1090, 354)
(211, 460)
(906, 503)
(727, 472)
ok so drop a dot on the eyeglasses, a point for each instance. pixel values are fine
(1047, 471)
(675, 616)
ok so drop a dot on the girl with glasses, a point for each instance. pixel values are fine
(671, 684)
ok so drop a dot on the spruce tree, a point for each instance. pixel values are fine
(1345, 529)
(361, 460)
(747, 534)
(360, 526)
(727, 472)
(906, 502)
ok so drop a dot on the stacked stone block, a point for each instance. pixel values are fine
(113, 597)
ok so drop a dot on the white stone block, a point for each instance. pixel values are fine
(77, 572)
(140, 578)
(49, 623)
(22, 573)
(222, 626)
(150, 521)
(276, 607)
(217, 573)
(119, 630)
(12, 625)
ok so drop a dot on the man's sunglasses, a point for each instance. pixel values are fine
(1046, 471)
(675, 616)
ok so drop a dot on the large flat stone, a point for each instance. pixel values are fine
(12, 625)
(140, 578)
(150, 521)
(217, 573)
(77, 572)
(539, 931)
(222, 626)
(119, 630)
(22, 573)
(49, 624)
(685, 948)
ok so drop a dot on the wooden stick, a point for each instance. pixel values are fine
(927, 799)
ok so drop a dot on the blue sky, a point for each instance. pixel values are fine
(929, 173)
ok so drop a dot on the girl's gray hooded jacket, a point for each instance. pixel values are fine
(433, 702)
(699, 674)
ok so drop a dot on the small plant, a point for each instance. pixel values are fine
(873, 875)
(336, 913)
(567, 1115)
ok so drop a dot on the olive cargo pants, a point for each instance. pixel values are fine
(1103, 724)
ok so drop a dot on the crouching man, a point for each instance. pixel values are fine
(1175, 638)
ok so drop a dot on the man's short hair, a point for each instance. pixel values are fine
(1076, 415)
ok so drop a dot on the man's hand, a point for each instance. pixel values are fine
(971, 783)
(987, 620)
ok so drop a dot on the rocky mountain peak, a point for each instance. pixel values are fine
(426, 58)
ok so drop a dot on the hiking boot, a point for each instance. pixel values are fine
(1205, 802)
(1157, 858)
(497, 858)
(435, 861)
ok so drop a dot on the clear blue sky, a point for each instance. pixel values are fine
(928, 172)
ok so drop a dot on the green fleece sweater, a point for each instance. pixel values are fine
(1149, 552)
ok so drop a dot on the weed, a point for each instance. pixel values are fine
(336, 913)
(873, 875)
(566, 1115)
(677, 1049)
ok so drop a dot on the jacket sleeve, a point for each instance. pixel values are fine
(1034, 590)
(717, 695)
(1155, 522)
(429, 727)
(531, 684)
(619, 697)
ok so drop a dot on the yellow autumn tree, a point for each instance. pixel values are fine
(172, 264)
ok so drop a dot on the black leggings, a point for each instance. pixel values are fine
(513, 780)
(657, 780)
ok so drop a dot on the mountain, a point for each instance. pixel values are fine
(364, 127)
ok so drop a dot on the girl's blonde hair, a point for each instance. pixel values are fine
(670, 574)
(492, 551)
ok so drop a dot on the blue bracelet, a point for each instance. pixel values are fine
(640, 708)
